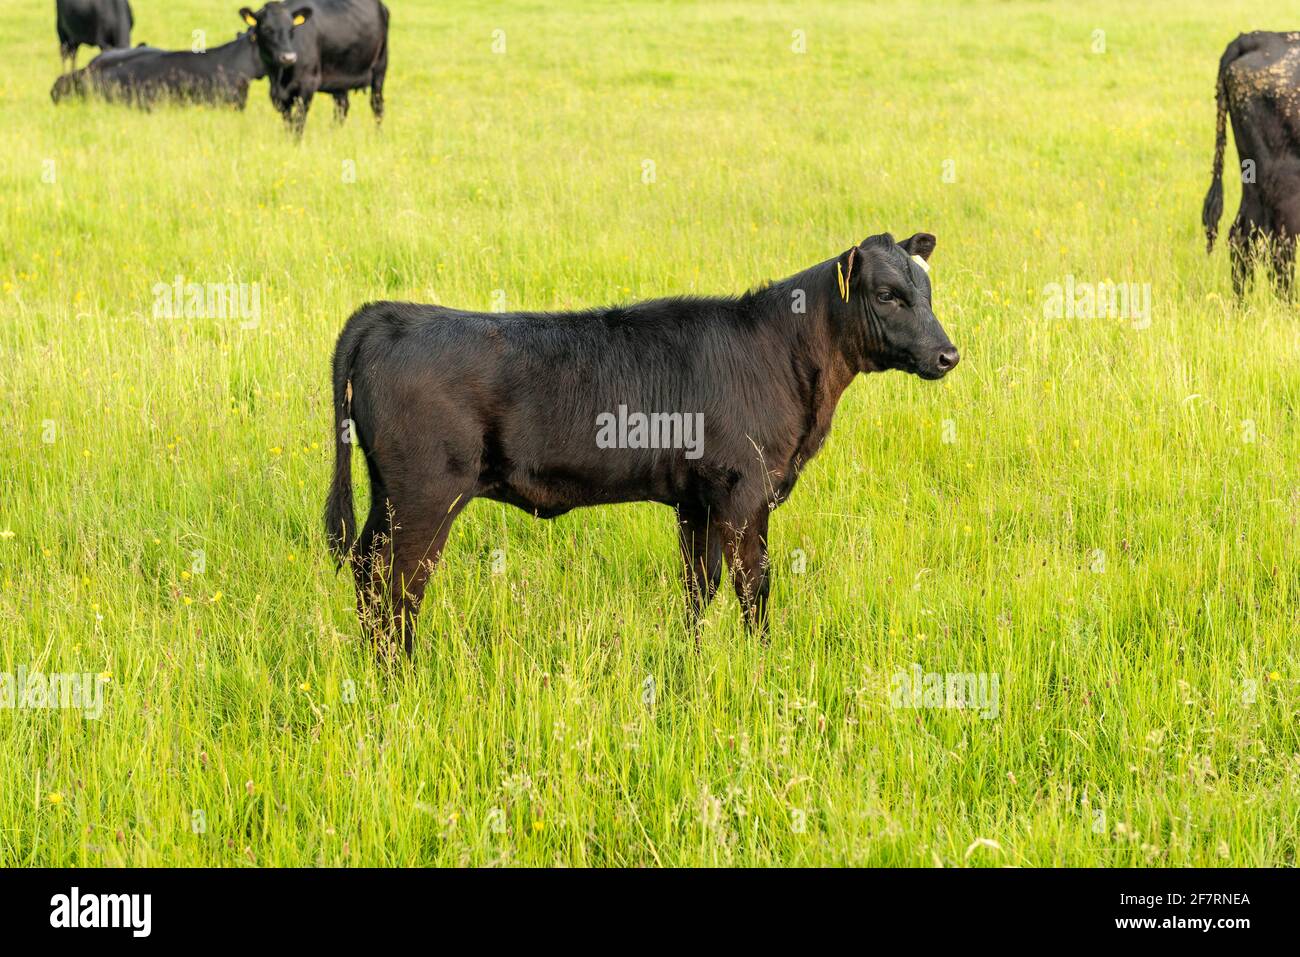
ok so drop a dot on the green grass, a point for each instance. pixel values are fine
(1100, 535)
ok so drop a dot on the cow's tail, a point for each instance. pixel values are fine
(340, 523)
(1213, 208)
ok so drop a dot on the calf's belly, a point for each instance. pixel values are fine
(550, 488)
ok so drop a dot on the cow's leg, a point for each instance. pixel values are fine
(700, 542)
(284, 106)
(1239, 255)
(1282, 261)
(300, 108)
(1243, 237)
(746, 548)
(377, 90)
(421, 523)
(340, 107)
(1286, 226)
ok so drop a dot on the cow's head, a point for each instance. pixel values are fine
(887, 284)
(273, 28)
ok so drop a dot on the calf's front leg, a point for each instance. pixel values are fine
(747, 557)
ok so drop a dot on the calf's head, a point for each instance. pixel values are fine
(887, 287)
(273, 29)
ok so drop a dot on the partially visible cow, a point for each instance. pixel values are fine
(144, 76)
(1259, 87)
(729, 399)
(98, 23)
(326, 46)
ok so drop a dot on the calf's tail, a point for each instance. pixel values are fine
(340, 523)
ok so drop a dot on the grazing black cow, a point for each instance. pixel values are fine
(144, 76)
(98, 23)
(327, 46)
(712, 406)
(1259, 87)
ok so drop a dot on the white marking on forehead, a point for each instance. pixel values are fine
(922, 263)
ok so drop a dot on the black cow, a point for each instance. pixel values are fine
(145, 75)
(1259, 87)
(98, 23)
(532, 409)
(327, 46)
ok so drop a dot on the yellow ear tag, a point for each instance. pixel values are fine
(299, 21)
(844, 287)
(922, 263)
(251, 20)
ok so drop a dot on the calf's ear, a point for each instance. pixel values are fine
(920, 244)
(247, 14)
(844, 271)
(301, 16)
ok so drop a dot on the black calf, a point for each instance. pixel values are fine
(712, 406)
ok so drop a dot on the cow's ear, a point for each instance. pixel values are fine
(920, 244)
(301, 16)
(247, 14)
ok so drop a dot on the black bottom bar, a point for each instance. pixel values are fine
(302, 907)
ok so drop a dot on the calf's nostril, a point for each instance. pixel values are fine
(948, 358)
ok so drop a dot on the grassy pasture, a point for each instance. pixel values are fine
(1101, 512)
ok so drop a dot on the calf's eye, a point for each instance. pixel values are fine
(884, 296)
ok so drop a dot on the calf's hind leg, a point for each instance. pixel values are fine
(369, 559)
(340, 107)
(420, 524)
(700, 542)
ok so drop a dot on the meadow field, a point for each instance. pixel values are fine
(1098, 513)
